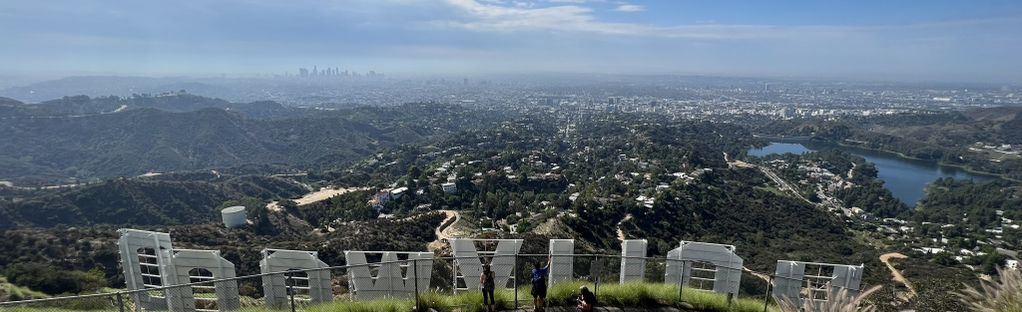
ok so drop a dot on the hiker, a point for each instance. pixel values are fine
(586, 299)
(488, 283)
(539, 285)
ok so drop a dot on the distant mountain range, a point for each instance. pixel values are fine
(103, 86)
(83, 137)
(81, 105)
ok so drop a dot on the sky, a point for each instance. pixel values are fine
(932, 40)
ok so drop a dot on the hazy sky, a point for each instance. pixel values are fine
(901, 40)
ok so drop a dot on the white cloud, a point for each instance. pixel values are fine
(524, 4)
(488, 17)
(630, 8)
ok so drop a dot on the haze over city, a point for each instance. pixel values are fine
(972, 41)
(510, 155)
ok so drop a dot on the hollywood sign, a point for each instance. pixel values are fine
(149, 260)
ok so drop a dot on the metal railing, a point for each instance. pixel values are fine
(597, 270)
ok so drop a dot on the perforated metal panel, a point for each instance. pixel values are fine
(388, 281)
(275, 285)
(847, 277)
(788, 281)
(791, 280)
(562, 261)
(633, 269)
(726, 266)
(153, 261)
(470, 266)
(182, 264)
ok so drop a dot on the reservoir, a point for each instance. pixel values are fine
(905, 178)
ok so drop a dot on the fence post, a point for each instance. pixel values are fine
(454, 274)
(415, 276)
(766, 296)
(681, 282)
(291, 288)
(515, 281)
(120, 302)
(596, 281)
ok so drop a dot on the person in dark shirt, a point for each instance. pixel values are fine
(586, 299)
(539, 285)
(488, 284)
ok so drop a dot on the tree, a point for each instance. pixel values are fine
(53, 280)
(414, 172)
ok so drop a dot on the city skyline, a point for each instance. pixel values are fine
(909, 41)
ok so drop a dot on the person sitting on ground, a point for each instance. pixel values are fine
(488, 284)
(586, 299)
(539, 285)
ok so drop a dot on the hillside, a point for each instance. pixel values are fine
(179, 102)
(993, 113)
(100, 85)
(762, 224)
(983, 139)
(133, 142)
(141, 202)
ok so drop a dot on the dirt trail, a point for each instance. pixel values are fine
(620, 233)
(322, 194)
(764, 277)
(886, 259)
(326, 193)
(442, 231)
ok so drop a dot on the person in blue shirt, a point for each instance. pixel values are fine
(539, 284)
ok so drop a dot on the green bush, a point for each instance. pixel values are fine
(53, 280)
(11, 292)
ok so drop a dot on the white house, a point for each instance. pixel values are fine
(449, 187)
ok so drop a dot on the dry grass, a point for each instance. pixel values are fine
(1001, 295)
(839, 301)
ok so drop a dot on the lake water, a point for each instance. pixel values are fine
(906, 178)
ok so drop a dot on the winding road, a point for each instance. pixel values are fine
(442, 231)
(620, 233)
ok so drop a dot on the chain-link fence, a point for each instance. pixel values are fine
(402, 284)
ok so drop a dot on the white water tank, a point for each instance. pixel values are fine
(234, 216)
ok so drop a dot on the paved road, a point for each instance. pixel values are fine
(442, 231)
(620, 233)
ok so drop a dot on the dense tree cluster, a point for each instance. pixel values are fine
(868, 191)
(941, 136)
(51, 280)
(975, 204)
